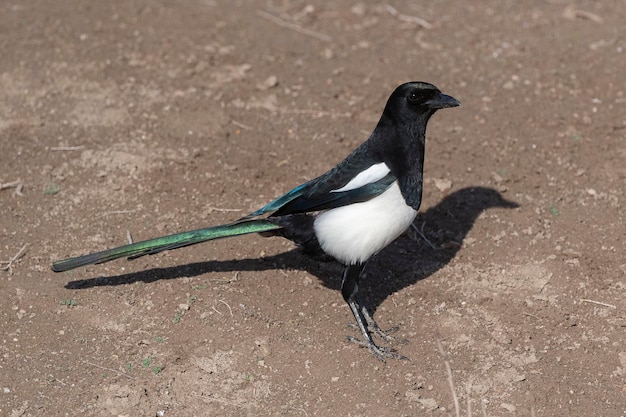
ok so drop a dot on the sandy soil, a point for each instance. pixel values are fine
(150, 117)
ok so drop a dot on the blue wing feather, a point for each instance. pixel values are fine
(281, 201)
(326, 201)
(321, 193)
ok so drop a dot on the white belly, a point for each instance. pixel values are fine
(354, 233)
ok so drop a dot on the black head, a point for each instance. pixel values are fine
(419, 99)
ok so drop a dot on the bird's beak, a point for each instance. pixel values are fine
(442, 102)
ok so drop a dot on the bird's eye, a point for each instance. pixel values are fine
(413, 97)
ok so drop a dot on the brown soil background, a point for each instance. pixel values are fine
(151, 117)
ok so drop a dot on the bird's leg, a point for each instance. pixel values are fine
(349, 290)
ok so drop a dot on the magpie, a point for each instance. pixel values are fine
(350, 213)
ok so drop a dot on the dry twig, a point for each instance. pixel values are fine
(240, 125)
(18, 185)
(406, 18)
(221, 210)
(585, 300)
(314, 113)
(9, 263)
(226, 304)
(108, 213)
(108, 369)
(293, 26)
(572, 13)
(66, 148)
(455, 399)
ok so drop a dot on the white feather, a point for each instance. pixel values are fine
(370, 175)
(354, 233)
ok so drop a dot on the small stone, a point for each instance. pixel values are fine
(509, 407)
(412, 396)
(429, 404)
(358, 9)
(270, 82)
(442, 184)
(328, 53)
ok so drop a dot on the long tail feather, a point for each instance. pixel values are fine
(178, 240)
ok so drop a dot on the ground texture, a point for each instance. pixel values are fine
(151, 117)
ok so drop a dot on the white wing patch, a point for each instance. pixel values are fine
(372, 174)
(355, 232)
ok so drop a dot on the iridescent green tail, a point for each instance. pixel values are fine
(178, 240)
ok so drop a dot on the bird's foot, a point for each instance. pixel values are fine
(386, 335)
(381, 353)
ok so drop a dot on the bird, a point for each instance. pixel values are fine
(349, 213)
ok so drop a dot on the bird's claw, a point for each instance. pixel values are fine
(386, 335)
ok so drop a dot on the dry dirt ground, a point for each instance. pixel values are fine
(150, 117)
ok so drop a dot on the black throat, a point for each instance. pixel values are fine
(401, 145)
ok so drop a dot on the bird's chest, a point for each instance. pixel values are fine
(354, 233)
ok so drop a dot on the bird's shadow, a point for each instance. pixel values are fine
(408, 260)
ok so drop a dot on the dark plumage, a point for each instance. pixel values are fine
(350, 213)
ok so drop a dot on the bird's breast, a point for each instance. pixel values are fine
(354, 233)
